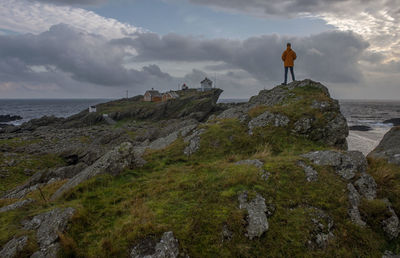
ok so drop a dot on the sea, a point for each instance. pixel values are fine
(371, 113)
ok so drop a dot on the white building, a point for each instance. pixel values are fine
(206, 84)
(92, 109)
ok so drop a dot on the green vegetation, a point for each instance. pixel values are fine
(18, 168)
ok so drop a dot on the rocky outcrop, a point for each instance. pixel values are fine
(9, 118)
(268, 119)
(391, 225)
(354, 200)
(322, 231)
(42, 178)
(14, 247)
(168, 247)
(281, 93)
(389, 147)
(366, 186)
(310, 172)
(191, 104)
(329, 128)
(256, 218)
(389, 254)
(48, 225)
(351, 166)
(163, 142)
(193, 141)
(345, 164)
(113, 162)
(239, 112)
(16, 205)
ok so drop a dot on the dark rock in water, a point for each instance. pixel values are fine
(43, 121)
(9, 118)
(394, 121)
(361, 128)
(389, 147)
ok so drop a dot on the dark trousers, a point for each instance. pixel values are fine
(291, 71)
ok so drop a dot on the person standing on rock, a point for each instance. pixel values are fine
(288, 58)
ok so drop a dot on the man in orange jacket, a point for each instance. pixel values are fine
(288, 58)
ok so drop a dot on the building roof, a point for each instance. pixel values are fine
(206, 80)
(173, 94)
(154, 93)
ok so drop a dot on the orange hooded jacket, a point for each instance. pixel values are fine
(288, 57)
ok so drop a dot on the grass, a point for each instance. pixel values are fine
(15, 174)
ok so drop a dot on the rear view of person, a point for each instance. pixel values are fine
(288, 58)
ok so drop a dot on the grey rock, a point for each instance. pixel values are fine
(389, 147)
(256, 218)
(252, 162)
(164, 142)
(194, 142)
(389, 254)
(303, 125)
(279, 94)
(322, 231)
(240, 113)
(168, 247)
(113, 162)
(14, 247)
(42, 178)
(320, 105)
(21, 192)
(47, 226)
(345, 164)
(268, 118)
(226, 233)
(391, 225)
(311, 173)
(366, 186)
(354, 200)
(16, 205)
(335, 132)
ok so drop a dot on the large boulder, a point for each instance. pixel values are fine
(389, 147)
(316, 118)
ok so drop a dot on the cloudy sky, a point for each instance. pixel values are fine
(101, 48)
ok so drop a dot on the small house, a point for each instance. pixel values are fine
(206, 84)
(185, 87)
(92, 109)
(169, 95)
(152, 96)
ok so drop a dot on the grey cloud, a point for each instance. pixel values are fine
(330, 56)
(85, 57)
(292, 7)
(74, 2)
